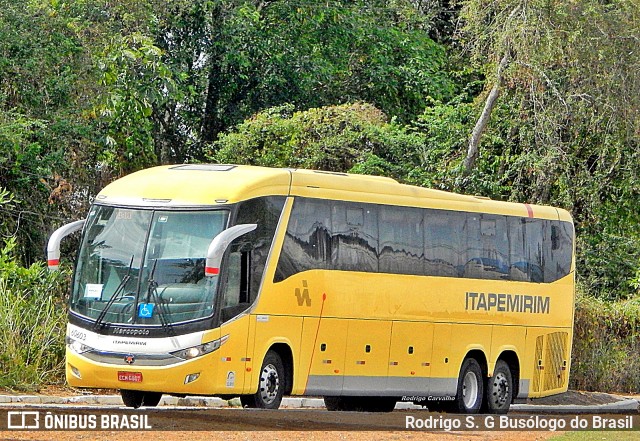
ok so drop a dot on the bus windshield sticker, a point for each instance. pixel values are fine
(145, 310)
(93, 290)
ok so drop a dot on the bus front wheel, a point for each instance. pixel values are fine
(500, 389)
(136, 398)
(470, 392)
(271, 384)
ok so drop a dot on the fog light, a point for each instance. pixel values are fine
(191, 378)
(75, 372)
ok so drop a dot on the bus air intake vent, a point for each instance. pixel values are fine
(550, 365)
(556, 351)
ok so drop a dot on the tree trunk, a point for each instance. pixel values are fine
(483, 120)
(211, 124)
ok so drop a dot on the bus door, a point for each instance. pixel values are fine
(234, 358)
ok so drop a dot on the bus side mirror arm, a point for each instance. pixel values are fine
(220, 243)
(53, 247)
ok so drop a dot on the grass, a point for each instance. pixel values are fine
(597, 436)
(606, 346)
(32, 324)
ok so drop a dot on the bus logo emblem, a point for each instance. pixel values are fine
(129, 359)
(303, 297)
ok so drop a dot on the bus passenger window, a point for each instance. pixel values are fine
(401, 240)
(443, 246)
(354, 247)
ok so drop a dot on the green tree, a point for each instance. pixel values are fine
(135, 80)
(568, 84)
(44, 132)
(240, 57)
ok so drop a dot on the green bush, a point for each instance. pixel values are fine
(606, 345)
(32, 322)
(346, 138)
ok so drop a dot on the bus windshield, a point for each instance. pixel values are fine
(145, 267)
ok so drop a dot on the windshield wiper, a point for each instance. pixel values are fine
(152, 291)
(98, 323)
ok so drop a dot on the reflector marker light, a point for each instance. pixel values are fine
(212, 271)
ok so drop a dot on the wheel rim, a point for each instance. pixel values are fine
(470, 390)
(500, 389)
(269, 384)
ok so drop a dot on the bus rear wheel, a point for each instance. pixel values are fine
(136, 398)
(500, 389)
(470, 392)
(271, 384)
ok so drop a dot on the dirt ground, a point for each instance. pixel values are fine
(317, 425)
(244, 424)
(275, 436)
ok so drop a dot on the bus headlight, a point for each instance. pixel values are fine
(77, 346)
(197, 351)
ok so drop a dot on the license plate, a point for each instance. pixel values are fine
(131, 377)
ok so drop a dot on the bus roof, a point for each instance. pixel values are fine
(194, 185)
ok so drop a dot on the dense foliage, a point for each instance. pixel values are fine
(94, 89)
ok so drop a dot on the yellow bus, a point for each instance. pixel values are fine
(244, 281)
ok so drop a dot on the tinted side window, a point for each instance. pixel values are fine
(486, 251)
(354, 241)
(443, 243)
(401, 240)
(307, 243)
(265, 212)
(534, 248)
(558, 250)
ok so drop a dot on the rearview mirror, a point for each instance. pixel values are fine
(220, 243)
(53, 247)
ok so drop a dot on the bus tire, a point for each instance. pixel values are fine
(136, 398)
(499, 393)
(469, 395)
(271, 384)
